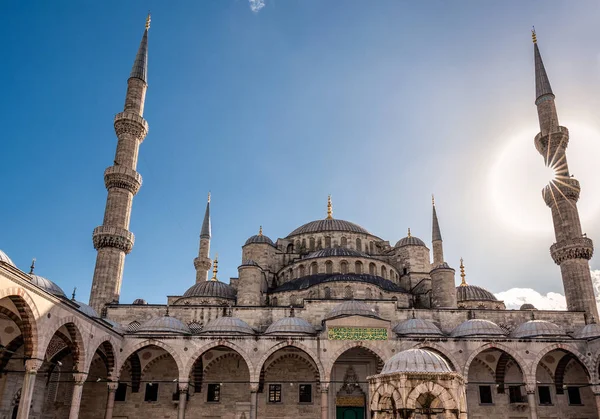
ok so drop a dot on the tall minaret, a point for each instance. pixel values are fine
(112, 239)
(202, 262)
(572, 249)
(436, 238)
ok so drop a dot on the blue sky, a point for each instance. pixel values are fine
(378, 103)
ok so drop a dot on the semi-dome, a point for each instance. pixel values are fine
(212, 288)
(473, 293)
(527, 306)
(416, 361)
(352, 308)
(537, 328)
(164, 324)
(87, 310)
(140, 302)
(226, 325)
(336, 251)
(260, 238)
(4, 258)
(47, 285)
(477, 327)
(417, 327)
(589, 331)
(290, 325)
(328, 224)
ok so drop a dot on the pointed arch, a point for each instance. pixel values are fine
(565, 347)
(435, 389)
(28, 313)
(198, 352)
(282, 345)
(495, 345)
(127, 352)
(107, 348)
(386, 393)
(374, 349)
(76, 331)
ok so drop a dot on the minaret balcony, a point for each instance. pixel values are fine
(558, 137)
(561, 189)
(132, 124)
(577, 248)
(122, 177)
(108, 236)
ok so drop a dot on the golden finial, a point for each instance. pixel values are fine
(533, 35)
(463, 283)
(329, 208)
(215, 268)
(260, 231)
(209, 197)
(409, 232)
(148, 19)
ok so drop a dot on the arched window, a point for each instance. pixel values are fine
(329, 267)
(368, 293)
(358, 267)
(371, 248)
(314, 268)
(358, 245)
(319, 244)
(290, 248)
(344, 267)
(291, 273)
(303, 246)
(343, 242)
(327, 241)
(293, 300)
(300, 271)
(383, 272)
(394, 298)
(274, 301)
(372, 269)
(348, 292)
(327, 292)
(312, 244)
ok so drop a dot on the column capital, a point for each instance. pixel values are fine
(254, 387)
(80, 378)
(112, 386)
(530, 388)
(33, 365)
(183, 387)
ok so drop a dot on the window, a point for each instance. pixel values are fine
(514, 393)
(574, 395)
(485, 395)
(327, 292)
(319, 244)
(327, 242)
(358, 245)
(300, 271)
(372, 269)
(151, 392)
(121, 392)
(383, 272)
(544, 395)
(344, 267)
(314, 268)
(343, 242)
(368, 293)
(305, 393)
(312, 244)
(274, 393)
(348, 293)
(358, 267)
(213, 394)
(329, 267)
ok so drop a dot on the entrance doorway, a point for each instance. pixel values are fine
(349, 412)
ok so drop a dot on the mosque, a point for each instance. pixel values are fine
(329, 321)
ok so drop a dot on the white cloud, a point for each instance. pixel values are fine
(256, 5)
(515, 297)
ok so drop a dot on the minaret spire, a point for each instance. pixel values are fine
(112, 239)
(572, 249)
(436, 237)
(202, 262)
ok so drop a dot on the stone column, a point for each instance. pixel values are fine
(31, 368)
(324, 403)
(110, 399)
(183, 392)
(80, 378)
(596, 390)
(253, 401)
(532, 402)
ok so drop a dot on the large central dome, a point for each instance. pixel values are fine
(328, 224)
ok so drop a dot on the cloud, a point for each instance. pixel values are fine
(515, 297)
(256, 5)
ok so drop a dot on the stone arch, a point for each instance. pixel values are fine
(378, 352)
(187, 370)
(28, 313)
(485, 366)
(386, 390)
(76, 330)
(108, 347)
(155, 361)
(454, 364)
(437, 390)
(565, 347)
(312, 355)
(150, 342)
(288, 357)
(494, 345)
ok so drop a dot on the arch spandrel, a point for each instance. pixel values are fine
(77, 330)
(585, 362)
(297, 345)
(127, 352)
(198, 352)
(374, 349)
(111, 355)
(500, 347)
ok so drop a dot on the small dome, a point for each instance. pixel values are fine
(328, 224)
(226, 325)
(290, 325)
(589, 331)
(259, 238)
(352, 308)
(87, 310)
(410, 241)
(527, 306)
(212, 288)
(140, 302)
(417, 327)
(537, 328)
(336, 251)
(416, 361)
(164, 324)
(477, 327)
(4, 258)
(47, 285)
(473, 293)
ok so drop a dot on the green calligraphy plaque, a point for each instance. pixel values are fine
(357, 333)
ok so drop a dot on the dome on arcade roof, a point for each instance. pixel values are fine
(352, 308)
(417, 327)
(589, 331)
(164, 324)
(47, 285)
(417, 361)
(140, 302)
(336, 251)
(212, 287)
(290, 325)
(537, 328)
(4, 258)
(226, 325)
(260, 238)
(477, 327)
(87, 310)
(527, 306)
(410, 240)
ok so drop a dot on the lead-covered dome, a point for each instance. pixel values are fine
(473, 293)
(416, 361)
(260, 238)
(328, 224)
(537, 328)
(228, 325)
(527, 306)
(87, 310)
(4, 258)
(352, 308)
(164, 324)
(212, 288)
(410, 241)
(417, 327)
(47, 285)
(140, 302)
(589, 331)
(477, 327)
(290, 325)
(336, 251)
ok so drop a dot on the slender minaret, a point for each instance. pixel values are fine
(202, 262)
(572, 249)
(112, 239)
(436, 238)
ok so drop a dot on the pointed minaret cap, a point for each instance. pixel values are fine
(205, 232)
(463, 282)
(542, 84)
(140, 65)
(435, 231)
